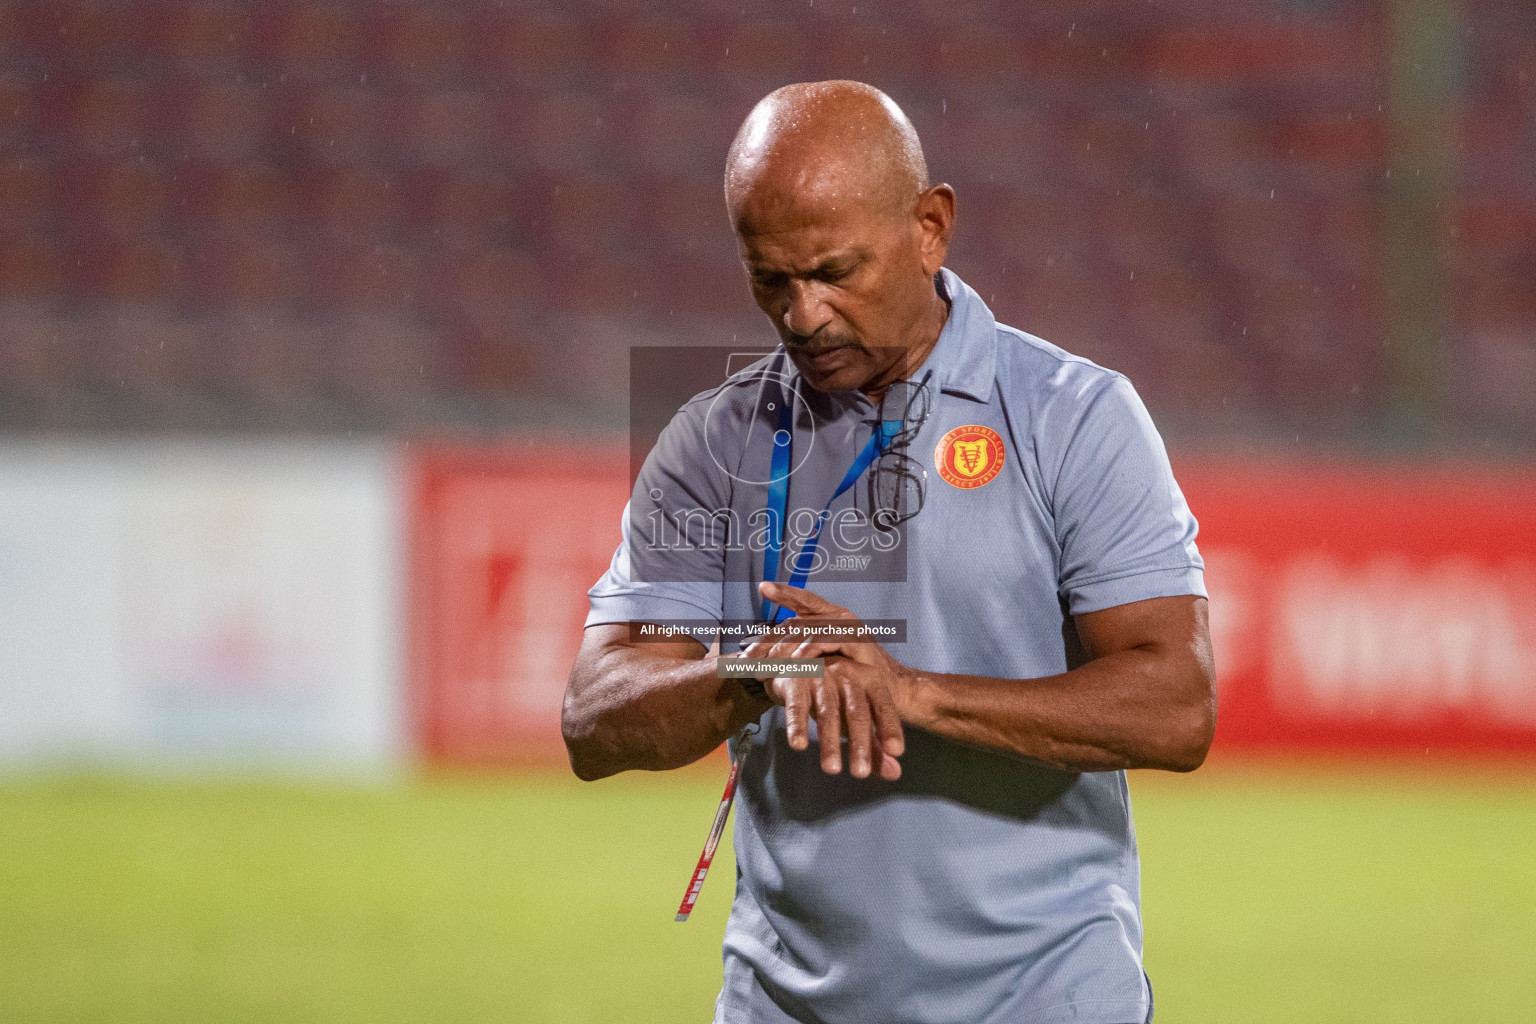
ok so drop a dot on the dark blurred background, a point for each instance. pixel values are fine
(1288, 221)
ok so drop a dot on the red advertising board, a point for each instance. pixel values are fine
(1369, 607)
(505, 544)
(1353, 607)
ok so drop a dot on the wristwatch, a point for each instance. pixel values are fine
(754, 686)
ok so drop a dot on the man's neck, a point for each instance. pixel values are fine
(917, 353)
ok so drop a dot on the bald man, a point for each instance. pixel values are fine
(936, 829)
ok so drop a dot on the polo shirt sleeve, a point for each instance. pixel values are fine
(1123, 528)
(657, 573)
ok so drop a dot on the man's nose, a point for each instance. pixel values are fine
(806, 313)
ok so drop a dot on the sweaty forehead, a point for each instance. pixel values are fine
(809, 194)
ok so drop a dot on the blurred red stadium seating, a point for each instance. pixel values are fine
(1188, 191)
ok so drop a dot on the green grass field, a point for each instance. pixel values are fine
(1324, 896)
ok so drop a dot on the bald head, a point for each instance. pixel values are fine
(840, 232)
(825, 145)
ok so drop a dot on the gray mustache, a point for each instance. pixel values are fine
(816, 350)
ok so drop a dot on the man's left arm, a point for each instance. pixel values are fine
(1131, 576)
(1146, 698)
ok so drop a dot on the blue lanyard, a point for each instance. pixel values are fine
(778, 500)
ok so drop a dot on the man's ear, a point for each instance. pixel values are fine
(935, 222)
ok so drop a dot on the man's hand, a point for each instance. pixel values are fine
(856, 698)
(1146, 697)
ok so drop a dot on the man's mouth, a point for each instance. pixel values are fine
(824, 357)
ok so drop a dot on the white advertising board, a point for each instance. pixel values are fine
(200, 602)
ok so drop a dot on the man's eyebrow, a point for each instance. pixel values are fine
(840, 260)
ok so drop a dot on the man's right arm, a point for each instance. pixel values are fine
(654, 706)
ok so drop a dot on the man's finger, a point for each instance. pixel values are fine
(829, 724)
(814, 648)
(862, 651)
(767, 639)
(892, 740)
(774, 645)
(860, 726)
(785, 648)
(796, 693)
(802, 601)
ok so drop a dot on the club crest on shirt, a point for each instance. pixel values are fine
(969, 456)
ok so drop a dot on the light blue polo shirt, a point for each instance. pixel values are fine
(978, 887)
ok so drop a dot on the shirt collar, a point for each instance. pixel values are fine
(964, 359)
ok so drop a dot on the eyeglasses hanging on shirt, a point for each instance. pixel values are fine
(898, 483)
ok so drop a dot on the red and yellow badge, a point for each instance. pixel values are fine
(969, 456)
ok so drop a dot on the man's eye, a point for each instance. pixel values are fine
(769, 281)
